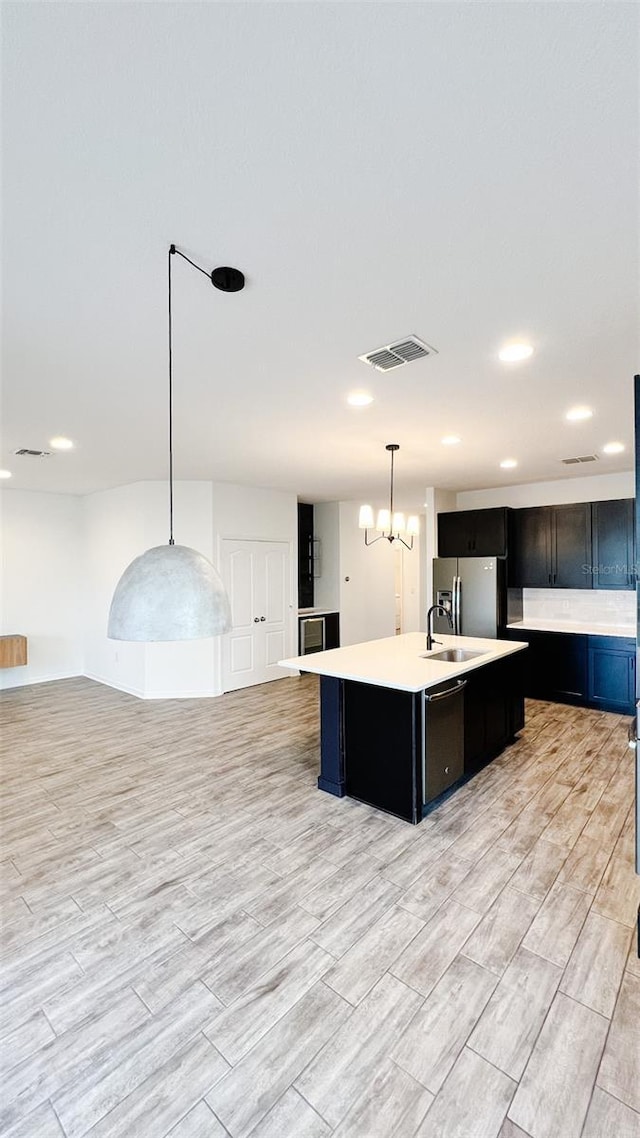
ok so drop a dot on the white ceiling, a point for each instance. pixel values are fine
(463, 172)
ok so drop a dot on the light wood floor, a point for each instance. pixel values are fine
(199, 943)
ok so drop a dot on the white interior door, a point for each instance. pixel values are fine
(257, 577)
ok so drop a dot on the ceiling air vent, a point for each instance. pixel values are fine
(583, 458)
(33, 453)
(395, 355)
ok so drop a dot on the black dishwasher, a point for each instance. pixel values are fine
(443, 740)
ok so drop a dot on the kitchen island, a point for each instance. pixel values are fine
(400, 727)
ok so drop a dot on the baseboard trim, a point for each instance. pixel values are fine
(196, 693)
(48, 679)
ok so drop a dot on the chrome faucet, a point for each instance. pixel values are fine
(447, 613)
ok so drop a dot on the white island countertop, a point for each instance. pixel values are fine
(397, 661)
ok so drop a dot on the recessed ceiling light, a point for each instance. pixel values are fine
(359, 399)
(613, 448)
(5, 474)
(508, 463)
(513, 353)
(577, 414)
(450, 440)
(60, 443)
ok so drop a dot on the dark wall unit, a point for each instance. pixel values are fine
(305, 555)
(326, 632)
(473, 533)
(588, 671)
(613, 557)
(550, 547)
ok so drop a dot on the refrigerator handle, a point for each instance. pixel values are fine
(457, 586)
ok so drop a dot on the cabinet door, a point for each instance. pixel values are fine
(572, 546)
(490, 533)
(475, 533)
(474, 722)
(455, 533)
(530, 548)
(613, 544)
(382, 748)
(612, 673)
(564, 659)
(257, 578)
(332, 630)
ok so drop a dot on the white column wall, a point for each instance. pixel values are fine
(326, 527)
(41, 583)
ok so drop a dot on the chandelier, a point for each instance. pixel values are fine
(388, 523)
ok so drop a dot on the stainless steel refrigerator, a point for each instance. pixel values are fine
(474, 591)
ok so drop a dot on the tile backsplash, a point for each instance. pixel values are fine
(600, 606)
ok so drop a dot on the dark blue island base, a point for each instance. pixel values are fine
(372, 737)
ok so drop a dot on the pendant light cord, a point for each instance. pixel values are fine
(391, 498)
(172, 249)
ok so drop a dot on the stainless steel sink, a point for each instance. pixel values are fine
(452, 655)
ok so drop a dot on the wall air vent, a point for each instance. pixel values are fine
(583, 458)
(395, 355)
(33, 453)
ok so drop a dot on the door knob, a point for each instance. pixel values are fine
(263, 618)
(256, 619)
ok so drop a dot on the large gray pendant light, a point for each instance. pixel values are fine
(172, 592)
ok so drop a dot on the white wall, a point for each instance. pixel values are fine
(42, 581)
(436, 502)
(366, 601)
(123, 523)
(592, 488)
(114, 533)
(326, 527)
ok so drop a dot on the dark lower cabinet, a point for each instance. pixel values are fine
(493, 709)
(383, 748)
(565, 668)
(373, 738)
(612, 673)
(331, 630)
(588, 671)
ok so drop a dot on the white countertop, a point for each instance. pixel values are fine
(315, 612)
(579, 627)
(396, 662)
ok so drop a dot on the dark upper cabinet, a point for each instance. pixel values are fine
(305, 555)
(530, 548)
(571, 546)
(613, 557)
(550, 547)
(473, 533)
